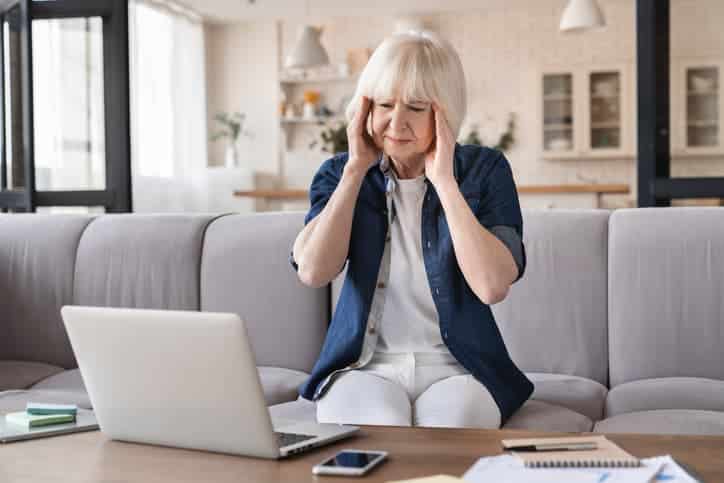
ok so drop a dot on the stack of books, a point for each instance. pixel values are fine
(41, 414)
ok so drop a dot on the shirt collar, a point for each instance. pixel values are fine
(385, 165)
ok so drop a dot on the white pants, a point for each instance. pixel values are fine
(431, 390)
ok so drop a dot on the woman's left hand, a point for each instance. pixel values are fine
(439, 159)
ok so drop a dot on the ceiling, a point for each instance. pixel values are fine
(228, 11)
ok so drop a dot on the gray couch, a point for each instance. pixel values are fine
(619, 320)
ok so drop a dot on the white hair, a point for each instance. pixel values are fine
(416, 66)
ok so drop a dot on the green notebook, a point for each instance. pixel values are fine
(34, 421)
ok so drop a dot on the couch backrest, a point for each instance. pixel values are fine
(37, 266)
(666, 293)
(554, 320)
(141, 261)
(246, 270)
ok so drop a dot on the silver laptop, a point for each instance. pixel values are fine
(184, 379)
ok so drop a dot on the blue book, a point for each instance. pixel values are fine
(43, 409)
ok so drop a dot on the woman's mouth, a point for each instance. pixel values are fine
(398, 140)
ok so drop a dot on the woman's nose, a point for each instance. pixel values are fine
(398, 119)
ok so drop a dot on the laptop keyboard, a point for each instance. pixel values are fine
(287, 439)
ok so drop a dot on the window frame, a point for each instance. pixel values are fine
(117, 195)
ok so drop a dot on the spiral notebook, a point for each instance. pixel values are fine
(607, 453)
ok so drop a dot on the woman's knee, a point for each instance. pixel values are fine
(359, 398)
(457, 402)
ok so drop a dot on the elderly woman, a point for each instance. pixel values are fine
(431, 233)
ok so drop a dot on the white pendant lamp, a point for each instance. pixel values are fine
(405, 24)
(581, 15)
(308, 50)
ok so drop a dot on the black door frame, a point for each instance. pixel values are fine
(656, 187)
(117, 197)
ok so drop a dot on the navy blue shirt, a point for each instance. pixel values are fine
(467, 325)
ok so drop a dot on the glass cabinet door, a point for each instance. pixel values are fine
(605, 110)
(558, 112)
(702, 107)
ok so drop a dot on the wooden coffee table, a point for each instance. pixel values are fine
(414, 452)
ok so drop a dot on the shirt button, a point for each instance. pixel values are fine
(380, 284)
(372, 329)
(437, 291)
(444, 334)
(428, 244)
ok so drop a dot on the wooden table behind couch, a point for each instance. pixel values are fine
(414, 452)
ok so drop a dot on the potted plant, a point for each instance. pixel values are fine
(333, 138)
(505, 141)
(232, 129)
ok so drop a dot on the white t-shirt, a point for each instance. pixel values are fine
(409, 320)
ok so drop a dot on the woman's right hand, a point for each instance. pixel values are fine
(363, 153)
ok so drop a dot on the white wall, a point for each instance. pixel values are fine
(242, 76)
(502, 50)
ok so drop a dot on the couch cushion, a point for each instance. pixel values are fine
(141, 261)
(534, 416)
(554, 319)
(578, 394)
(246, 270)
(69, 384)
(666, 393)
(11, 401)
(280, 384)
(23, 374)
(542, 416)
(65, 387)
(300, 410)
(665, 293)
(665, 421)
(37, 263)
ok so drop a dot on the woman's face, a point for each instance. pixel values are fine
(404, 131)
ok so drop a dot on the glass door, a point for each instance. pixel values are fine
(605, 111)
(702, 107)
(558, 114)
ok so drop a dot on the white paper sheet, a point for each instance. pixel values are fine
(510, 469)
(670, 472)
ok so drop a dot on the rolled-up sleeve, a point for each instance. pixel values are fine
(324, 183)
(509, 237)
(500, 207)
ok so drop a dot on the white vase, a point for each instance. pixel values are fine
(232, 156)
